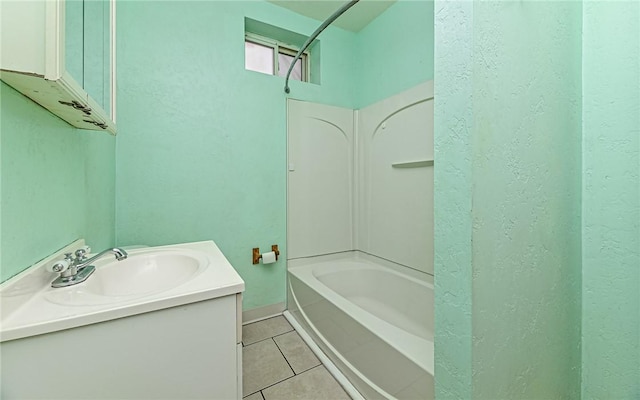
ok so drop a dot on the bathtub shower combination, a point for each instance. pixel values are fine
(360, 239)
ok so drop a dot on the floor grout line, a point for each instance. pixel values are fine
(308, 369)
(285, 359)
(261, 340)
(270, 337)
(273, 384)
(267, 319)
(286, 379)
(244, 396)
(284, 333)
(280, 381)
(283, 356)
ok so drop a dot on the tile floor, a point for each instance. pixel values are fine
(278, 365)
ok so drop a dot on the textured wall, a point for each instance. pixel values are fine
(202, 142)
(526, 200)
(453, 116)
(395, 51)
(611, 201)
(57, 184)
(508, 167)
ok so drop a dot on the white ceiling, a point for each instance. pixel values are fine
(354, 19)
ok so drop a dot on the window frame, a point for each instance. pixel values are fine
(278, 48)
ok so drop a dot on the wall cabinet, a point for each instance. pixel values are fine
(61, 54)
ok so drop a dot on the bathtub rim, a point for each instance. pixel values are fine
(418, 350)
(358, 255)
(322, 270)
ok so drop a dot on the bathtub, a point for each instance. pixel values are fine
(372, 320)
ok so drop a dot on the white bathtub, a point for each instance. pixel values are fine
(374, 322)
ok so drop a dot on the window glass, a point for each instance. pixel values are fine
(258, 58)
(284, 62)
(270, 57)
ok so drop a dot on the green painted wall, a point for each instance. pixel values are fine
(508, 139)
(202, 142)
(611, 201)
(453, 121)
(527, 200)
(395, 51)
(57, 184)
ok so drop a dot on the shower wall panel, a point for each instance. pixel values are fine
(395, 159)
(320, 179)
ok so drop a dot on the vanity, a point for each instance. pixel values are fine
(163, 323)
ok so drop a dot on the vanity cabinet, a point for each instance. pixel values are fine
(190, 351)
(61, 54)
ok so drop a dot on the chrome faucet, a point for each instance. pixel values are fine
(81, 259)
(76, 267)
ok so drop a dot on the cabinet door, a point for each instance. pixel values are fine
(96, 52)
(87, 48)
(74, 38)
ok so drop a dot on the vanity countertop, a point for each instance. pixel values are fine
(30, 306)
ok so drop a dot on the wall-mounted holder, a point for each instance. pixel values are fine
(257, 256)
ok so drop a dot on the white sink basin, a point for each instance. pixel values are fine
(142, 273)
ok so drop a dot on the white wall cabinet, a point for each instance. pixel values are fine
(61, 54)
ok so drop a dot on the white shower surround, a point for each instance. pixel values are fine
(346, 187)
(360, 238)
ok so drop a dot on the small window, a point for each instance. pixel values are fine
(274, 58)
(258, 57)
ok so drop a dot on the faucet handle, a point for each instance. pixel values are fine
(59, 266)
(81, 253)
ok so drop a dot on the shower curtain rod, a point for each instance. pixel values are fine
(313, 36)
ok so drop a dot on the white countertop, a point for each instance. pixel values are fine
(26, 310)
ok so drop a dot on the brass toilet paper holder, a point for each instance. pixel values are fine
(257, 256)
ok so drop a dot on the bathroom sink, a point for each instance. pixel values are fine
(142, 273)
(150, 279)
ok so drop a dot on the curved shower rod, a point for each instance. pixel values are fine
(313, 36)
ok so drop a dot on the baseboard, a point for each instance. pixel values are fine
(260, 313)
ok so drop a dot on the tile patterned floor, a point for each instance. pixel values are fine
(278, 365)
